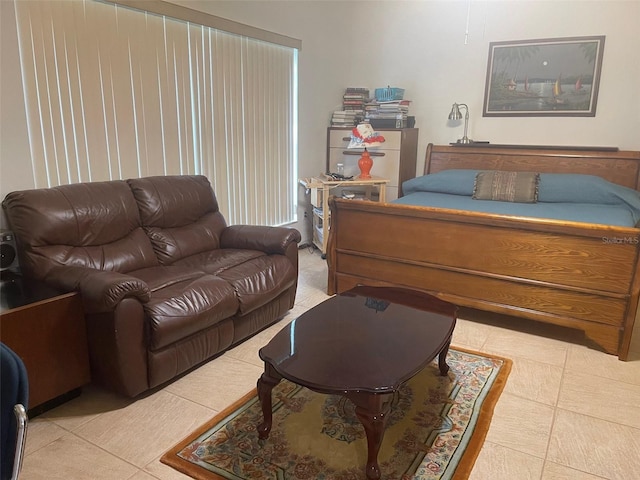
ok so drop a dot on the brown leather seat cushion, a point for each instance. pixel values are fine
(184, 301)
(216, 261)
(260, 280)
(256, 277)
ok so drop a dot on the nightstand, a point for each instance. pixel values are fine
(46, 328)
(373, 189)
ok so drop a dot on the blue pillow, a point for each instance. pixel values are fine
(454, 182)
(578, 188)
(552, 188)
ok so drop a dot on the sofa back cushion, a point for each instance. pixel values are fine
(180, 215)
(95, 225)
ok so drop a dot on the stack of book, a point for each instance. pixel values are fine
(391, 114)
(353, 102)
(354, 99)
(344, 118)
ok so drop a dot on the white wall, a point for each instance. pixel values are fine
(416, 45)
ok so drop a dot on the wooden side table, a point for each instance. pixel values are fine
(46, 328)
(320, 189)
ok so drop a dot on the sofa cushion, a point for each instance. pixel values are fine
(163, 276)
(172, 244)
(94, 225)
(184, 302)
(256, 277)
(216, 261)
(260, 280)
(173, 200)
(180, 214)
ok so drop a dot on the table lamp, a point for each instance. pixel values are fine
(455, 114)
(364, 136)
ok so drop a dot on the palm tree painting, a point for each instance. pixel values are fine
(550, 77)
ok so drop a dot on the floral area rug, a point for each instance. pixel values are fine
(435, 430)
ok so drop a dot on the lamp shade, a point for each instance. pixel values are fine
(364, 136)
(455, 113)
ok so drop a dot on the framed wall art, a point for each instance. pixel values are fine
(548, 77)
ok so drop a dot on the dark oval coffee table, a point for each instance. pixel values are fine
(363, 344)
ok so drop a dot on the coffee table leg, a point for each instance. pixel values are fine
(442, 359)
(372, 411)
(266, 382)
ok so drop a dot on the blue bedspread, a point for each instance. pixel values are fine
(577, 212)
(579, 198)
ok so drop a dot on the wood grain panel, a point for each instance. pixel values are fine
(512, 294)
(620, 167)
(601, 334)
(569, 260)
(50, 337)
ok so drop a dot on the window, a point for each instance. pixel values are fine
(113, 93)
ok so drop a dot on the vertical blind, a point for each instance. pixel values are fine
(116, 93)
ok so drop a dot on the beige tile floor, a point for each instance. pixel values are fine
(567, 412)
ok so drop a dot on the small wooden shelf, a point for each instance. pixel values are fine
(320, 188)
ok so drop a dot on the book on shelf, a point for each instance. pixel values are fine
(395, 102)
(344, 113)
(357, 90)
(353, 110)
(354, 95)
(388, 114)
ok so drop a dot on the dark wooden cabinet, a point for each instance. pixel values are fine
(46, 328)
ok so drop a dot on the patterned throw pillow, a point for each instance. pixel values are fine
(521, 187)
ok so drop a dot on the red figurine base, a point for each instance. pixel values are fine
(364, 164)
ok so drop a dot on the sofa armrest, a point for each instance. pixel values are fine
(101, 291)
(259, 237)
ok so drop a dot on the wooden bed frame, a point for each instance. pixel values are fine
(574, 274)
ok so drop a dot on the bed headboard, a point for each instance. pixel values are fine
(621, 167)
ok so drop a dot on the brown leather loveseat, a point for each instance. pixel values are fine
(165, 283)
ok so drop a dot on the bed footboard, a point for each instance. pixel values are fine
(572, 274)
